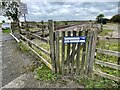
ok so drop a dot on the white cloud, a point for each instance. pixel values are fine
(43, 10)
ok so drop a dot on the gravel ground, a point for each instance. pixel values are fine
(14, 61)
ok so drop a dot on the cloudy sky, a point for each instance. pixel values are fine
(68, 9)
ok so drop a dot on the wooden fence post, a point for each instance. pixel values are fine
(57, 51)
(68, 53)
(63, 53)
(89, 51)
(91, 64)
(73, 54)
(78, 56)
(52, 45)
(83, 54)
(43, 33)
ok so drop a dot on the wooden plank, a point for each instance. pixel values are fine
(83, 54)
(102, 74)
(93, 52)
(108, 52)
(73, 54)
(57, 52)
(107, 64)
(41, 38)
(89, 52)
(15, 37)
(52, 45)
(68, 54)
(45, 61)
(106, 38)
(63, 53)
(32, 43)
(78, 56)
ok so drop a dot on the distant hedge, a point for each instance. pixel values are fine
(115, 18)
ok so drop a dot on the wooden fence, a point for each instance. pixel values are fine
(108, 64)
(77, 58)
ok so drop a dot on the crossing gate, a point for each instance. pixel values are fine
(72, 50)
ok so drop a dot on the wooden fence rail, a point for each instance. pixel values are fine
(107, 64)
(102, 74)
(32, 43)
(45, 61)
(108, 52)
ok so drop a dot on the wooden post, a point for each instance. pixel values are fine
(89, 52)
(68, 54)
(63, 53)
(52, 45)
(83, 54)
(57, 51)
(78, 56)
(43, 33)
(73, 54)
(91, 64)
(27, 30)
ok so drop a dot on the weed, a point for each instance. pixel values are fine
(96, 82)
(44, 73)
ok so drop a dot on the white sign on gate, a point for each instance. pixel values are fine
(23, 8)
(80, 39)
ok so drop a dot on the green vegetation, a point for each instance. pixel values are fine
(107, 70)
(105, 32)
(115, 18)
(44, 73)
(6, 31)
(23, 47)
(97, 82)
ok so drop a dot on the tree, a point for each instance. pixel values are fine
(115, 18)
(11, 10)
(99, 18)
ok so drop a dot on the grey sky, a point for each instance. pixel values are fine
(63, 10)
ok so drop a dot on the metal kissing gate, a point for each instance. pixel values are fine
(72, 51)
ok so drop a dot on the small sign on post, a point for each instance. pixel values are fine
(23, 8)
(80, 39)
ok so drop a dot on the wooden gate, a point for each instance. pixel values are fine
(72, 58)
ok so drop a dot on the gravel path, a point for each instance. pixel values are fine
(14, 61)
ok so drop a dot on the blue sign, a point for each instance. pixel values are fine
(80, 39)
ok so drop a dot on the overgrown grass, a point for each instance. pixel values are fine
(97, 82)
(106, 44)
(108, 70)
(105, 32)
(44, 73)
(23, 47)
